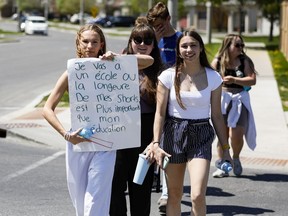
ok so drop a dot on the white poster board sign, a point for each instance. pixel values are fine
(105, 95)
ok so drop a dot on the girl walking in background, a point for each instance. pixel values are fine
(238, 73)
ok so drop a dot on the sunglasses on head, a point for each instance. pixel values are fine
(139, 40)
(238, 45)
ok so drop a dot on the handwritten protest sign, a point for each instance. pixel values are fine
(104, 95)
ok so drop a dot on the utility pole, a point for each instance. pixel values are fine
(172, 7)
(81, 12)
(150, 4)
(19, 14)
(46, 9)
(208, 21)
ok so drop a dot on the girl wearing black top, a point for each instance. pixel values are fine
(238, 74)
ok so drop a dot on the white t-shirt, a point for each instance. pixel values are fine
(197, 103)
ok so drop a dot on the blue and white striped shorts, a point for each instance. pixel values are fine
(186, 139)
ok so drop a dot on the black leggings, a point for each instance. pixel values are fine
(126, 161)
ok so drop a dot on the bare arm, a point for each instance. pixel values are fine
(51, 104)
(160, 115)
(218, 121)
(144, 61)
(53, 100)
(250, 75)
(214, 63)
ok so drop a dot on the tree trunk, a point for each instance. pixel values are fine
(271, 28)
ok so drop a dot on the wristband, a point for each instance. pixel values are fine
(156, 142)
(225, 147)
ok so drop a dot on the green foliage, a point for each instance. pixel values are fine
(270, 8)
(280, 67)
(64, 102)
(270, 45)
(30, 5)
(68, 7)
(2, 3)
(73, 6)
(137, 7)
(211, 50)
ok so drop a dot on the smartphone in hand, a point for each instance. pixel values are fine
(165, 162)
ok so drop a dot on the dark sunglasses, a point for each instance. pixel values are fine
(238, 45)
(139, 40)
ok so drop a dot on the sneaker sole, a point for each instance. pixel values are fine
(162, 209)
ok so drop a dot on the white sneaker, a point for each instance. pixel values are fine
(162, 203)
(237, 169)
(220, 174)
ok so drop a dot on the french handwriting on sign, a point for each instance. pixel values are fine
(105, 95)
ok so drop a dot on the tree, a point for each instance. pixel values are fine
(270, 10)
(30, 5)
(140, 7)
(73, 6)
(3, 3)
(68, 7)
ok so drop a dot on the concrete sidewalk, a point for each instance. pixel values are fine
(271, 124)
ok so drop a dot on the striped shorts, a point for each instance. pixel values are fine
(186, 139)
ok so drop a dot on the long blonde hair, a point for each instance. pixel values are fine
(223, 53)
(95, 28)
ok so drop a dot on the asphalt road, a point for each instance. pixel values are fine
(33, 182)
(31, 65)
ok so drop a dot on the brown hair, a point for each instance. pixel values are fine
(91, 27)
(159, 10)
(140, 20)
(151, 73)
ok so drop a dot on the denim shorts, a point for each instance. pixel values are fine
(186, 139)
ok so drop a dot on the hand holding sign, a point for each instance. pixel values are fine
(105, 95)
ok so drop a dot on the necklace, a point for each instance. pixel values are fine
(193, 77)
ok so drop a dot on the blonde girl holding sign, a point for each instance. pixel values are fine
(89, 174)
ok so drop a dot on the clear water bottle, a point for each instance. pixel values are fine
(223, 165)
(87, 132)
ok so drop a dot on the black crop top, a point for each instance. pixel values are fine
(237, 72)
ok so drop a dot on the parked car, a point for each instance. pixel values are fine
(121, 21)
(22, 23)
(36, 24)
(75, 18)
(102, 21)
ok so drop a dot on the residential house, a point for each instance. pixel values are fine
(229, 17)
